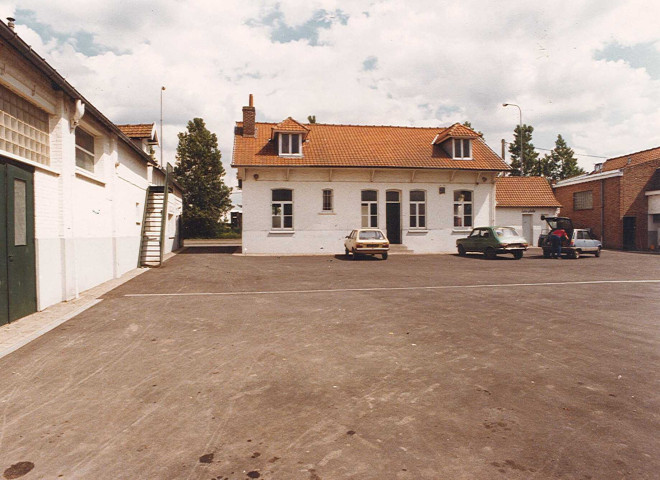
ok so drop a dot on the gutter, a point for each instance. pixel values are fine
(588, 178)
(59, 83)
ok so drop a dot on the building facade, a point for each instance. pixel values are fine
(72, 187)
(305, 187)
(521, 201)
(619, 201)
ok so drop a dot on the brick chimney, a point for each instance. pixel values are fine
(249, 117)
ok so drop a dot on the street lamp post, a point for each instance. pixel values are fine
(520, 133)
(162, 89)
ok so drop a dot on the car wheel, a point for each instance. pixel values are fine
(597, 252)
(348, 254)
(461, 250)
(490, 253)
(354, 255)
(518, 254)
(576, 254)
(546, 253)
(385, 256)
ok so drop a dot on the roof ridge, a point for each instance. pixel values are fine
(351, 125)
(631, 154)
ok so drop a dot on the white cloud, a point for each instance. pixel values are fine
(437, 63)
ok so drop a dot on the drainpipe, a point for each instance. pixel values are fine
(602, 211)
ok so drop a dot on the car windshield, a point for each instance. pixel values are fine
(371, 235)
(506, 232)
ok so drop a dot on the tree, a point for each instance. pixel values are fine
(564, 160)
(199, 171)
(530, 155)
(311, 118)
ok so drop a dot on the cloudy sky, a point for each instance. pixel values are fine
(588, 70)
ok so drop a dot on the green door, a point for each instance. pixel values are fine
(18, 294)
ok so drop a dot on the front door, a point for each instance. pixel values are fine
(629, 233)
(528, 228)
(393, 214)
(18, 295)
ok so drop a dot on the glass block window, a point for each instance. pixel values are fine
(583, 200)
(24, 129)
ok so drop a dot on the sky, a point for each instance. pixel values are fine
(588, 70)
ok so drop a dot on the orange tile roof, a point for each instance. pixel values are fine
(635, 159)
(524, 192)
(140, 130)
(456, 131)
(361, 146)
(291, 125)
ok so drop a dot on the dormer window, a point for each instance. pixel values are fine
(290, 144)
(462, 148)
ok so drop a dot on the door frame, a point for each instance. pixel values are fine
(530, 217)
(393, 202)
(18, 261)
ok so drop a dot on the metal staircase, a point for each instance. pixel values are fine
(154, 224)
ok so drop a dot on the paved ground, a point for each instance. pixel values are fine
(320, 368)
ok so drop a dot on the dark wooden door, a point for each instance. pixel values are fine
(17, 249)
(393, 214)
(629, 230)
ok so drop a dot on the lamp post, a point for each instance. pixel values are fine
(162, 89)
(520, 133)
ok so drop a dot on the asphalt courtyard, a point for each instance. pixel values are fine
(319, 368)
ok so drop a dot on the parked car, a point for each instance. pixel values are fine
(579, 240)
(367, 241)
(493, 240)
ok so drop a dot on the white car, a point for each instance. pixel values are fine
(367, 241)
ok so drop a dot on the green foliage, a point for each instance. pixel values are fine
(199, 171)
(529, 164)
(564, 158)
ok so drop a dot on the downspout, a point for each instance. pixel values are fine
(602, 212)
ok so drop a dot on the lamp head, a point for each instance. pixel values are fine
(505, 104)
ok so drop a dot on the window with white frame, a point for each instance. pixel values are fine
(84, 150)
(290, 144)
(282, 209)
(369, 208)
(327, 200)
(417, 209)
(583, 200)
(462, 208)
(462, 148)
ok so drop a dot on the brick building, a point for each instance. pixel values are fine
(619, 201)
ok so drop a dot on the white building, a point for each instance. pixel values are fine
(305, 187)
(520, 203)
(73, 188)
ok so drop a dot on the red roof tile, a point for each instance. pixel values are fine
(524, 192)
(363, 146)
(140, 130)
(631, 159)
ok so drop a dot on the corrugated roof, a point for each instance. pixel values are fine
(362, 146)
(524, 192)
(631, 159)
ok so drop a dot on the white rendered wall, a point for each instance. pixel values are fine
(513, 217)
(318, 232)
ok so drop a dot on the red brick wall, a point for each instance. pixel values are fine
(624, 196)
(636, 181)
(611, 236)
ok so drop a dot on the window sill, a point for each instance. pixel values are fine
(462, 229)
(462, 158)
(281, 232)
(88, 176)
(327, 213)
(418, 230)
(291, 155)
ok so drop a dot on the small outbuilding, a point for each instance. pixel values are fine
(520, 203)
